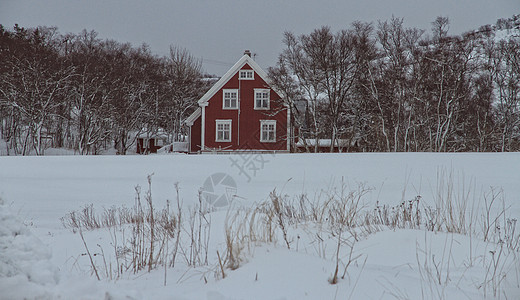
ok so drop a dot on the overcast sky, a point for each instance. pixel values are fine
(218, 31)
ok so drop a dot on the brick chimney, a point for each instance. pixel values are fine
(248, 53)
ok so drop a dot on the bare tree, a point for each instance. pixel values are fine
(448, 64)
(302, 65)
(397, 88)
(184, 87)
(506, 76)
(336, 59)
(90, 92)
(35, 85)
(282, 79)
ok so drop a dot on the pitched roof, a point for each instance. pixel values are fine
(194, 116)
(246, 59)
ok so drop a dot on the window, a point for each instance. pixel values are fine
(230, 99)
(246, 75)
(223, 131)
(261, 98)
(267, 131)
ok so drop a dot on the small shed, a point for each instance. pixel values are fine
(147, 143)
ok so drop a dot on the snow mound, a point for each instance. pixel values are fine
(26, 270)
(25, 267)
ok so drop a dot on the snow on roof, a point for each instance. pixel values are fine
(194, 116)
(160, 134)
(322, 142)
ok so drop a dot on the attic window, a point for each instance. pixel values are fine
(246, 75)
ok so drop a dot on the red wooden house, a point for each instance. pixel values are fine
(240, 112)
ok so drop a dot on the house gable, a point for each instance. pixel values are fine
(246, 62)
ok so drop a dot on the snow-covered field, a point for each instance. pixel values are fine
(39, 258)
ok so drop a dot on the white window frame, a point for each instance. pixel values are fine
(223, 123)
(246, 75)
(262, 130)
(224, 91)
(268, 91)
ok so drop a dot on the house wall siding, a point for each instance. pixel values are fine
(195, 135)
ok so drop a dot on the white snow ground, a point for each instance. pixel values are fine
(40, 259)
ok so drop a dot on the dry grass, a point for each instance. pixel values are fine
(338, 217)
(141, 236)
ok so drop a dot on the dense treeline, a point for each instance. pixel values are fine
(385, 87)
(372, 87)
(83, 93)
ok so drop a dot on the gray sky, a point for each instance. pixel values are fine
(218, 31)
